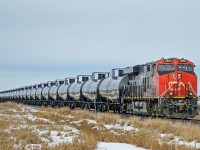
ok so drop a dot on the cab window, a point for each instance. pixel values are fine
(186, 68)
(166, 68)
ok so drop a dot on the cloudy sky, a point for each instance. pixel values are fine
(44, 40)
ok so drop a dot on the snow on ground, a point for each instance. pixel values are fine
(60, 134)
(119, 127)
(178, 140)
(61, 137)
(66, 134)
(117, 146)
(34, 118)
(82, 120)
(28, 147)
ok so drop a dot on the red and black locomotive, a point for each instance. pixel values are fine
(167, 87)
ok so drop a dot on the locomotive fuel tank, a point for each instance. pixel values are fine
(63, 89)
(75, 88)
(90, 89)
(111, 87)
(53, 92)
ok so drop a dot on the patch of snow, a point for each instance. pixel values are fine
(69, 116)
(91, 121)
(11, 116)
(33, 147)
(114, 132)
(165, 135)
(76, 122)
(116, 146)
(80, 121)
(23, 109)
(66, 134)
(34, 118)
(119, 127)
(28, 146)
(98, 128)
(177, 141)
(31, 110)
(60, 137)
(12, 110)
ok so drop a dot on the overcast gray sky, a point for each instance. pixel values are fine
(42, 40)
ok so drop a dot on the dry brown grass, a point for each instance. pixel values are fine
(6, 145)
(108, 118)
(4, 124)
(28, 136)
(147, 136)
(9, 105)
(51, 115)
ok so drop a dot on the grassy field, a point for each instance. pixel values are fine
(25, 127)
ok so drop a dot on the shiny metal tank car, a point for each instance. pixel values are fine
(63, 89)
(28, 93)
(6, 95)
(11, 94)
(20, 93)
(33, 92)
(1, 95)
(110, 87)
(75, 88)
(17, 93)
(45, 91)
(91, 87)
(24, 93)
(14, 94)
(53, 92)
(38, 93)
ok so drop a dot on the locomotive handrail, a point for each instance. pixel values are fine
(194, 92)
(161, 96)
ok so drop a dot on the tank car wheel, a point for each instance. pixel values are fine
(72, 105)
(104, 108)
(99, 108)
(82, 105)
(85, 106)
(52, 104)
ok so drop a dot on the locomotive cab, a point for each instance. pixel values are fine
(177, 88)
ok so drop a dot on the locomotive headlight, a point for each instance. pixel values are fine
(179, 76)
(171, 93)
(190, 93)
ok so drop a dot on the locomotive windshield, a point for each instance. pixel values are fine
(186, 68)
(162, 69)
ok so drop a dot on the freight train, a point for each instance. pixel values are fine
(166, 87)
